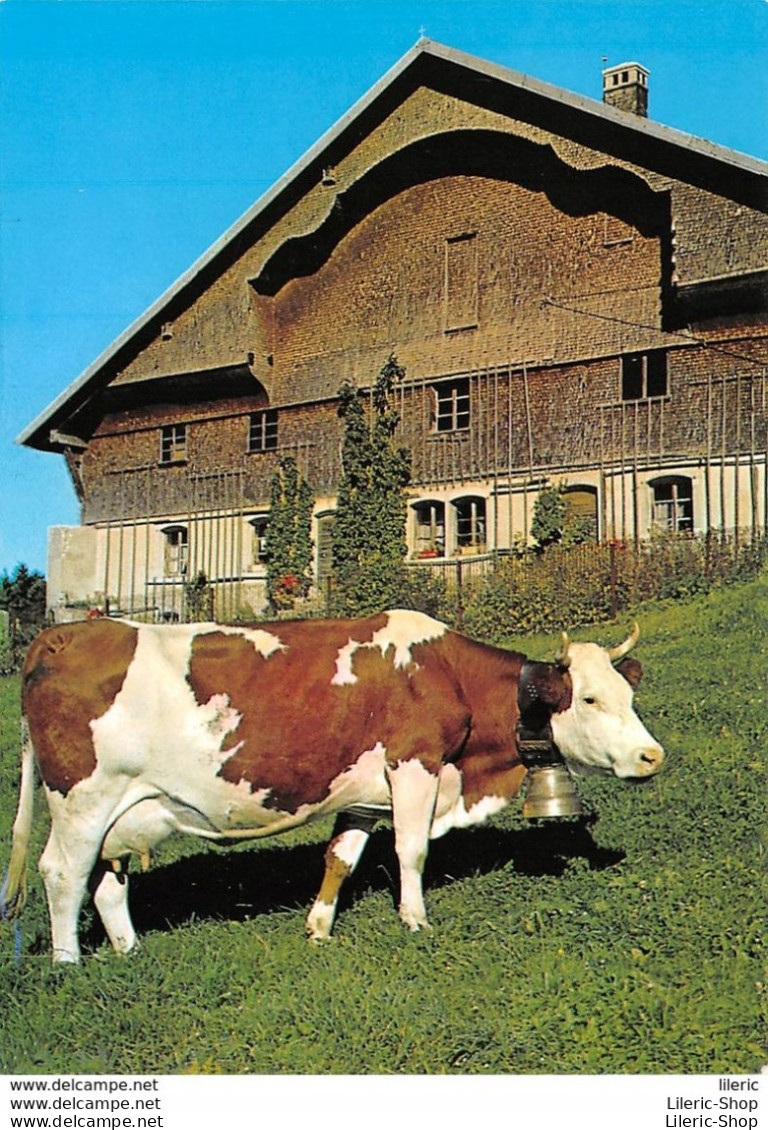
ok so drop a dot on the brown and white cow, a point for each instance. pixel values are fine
(230, 733)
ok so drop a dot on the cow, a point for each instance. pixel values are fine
(236, 732)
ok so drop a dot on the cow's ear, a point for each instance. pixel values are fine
(632, 671)
(548, 688)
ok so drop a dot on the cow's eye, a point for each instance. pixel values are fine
(590, 699)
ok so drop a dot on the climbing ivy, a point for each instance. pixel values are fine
(552, 524)
(369, 545)
(548, 521)
(288, 536)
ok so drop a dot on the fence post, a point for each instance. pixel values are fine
(614, 581)
(459, 595)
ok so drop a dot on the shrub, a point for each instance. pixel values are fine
(564, 586)
(198, 596)
(425, 590)
(553, 591)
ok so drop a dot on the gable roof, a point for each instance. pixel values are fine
(623, 135)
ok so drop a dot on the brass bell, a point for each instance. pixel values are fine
(551, 793)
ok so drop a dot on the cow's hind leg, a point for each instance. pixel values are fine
(414, 793)
(110, 896)
(350, 835)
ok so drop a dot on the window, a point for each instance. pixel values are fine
(176, 550)
(430, 528)
(259, 526)
(644, 375)
(452, 406)
(173, 443)
(470, 523)
(673, 504)
(262, 432)
(325, 546)
(461, 282)
(581, 515)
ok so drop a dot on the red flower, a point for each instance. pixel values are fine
(289, 584)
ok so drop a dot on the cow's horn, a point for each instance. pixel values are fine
(615, 653)
(563, 659)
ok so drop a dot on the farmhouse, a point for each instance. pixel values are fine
(578, 296)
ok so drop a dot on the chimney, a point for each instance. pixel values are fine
(626, 88)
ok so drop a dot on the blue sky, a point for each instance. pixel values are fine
(134, 133)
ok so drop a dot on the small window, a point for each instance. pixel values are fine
(176, 550)
(644, 375)
(673, 504)
(470, 523)
(259, 526)
(452, 406)
(262, 431)
(173, 443)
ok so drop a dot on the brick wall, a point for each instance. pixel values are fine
(384, 286)
(124, 478)
(452, 273)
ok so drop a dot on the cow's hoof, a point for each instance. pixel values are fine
(123, 946)
(319, 922)
(64, 958)
(318, 928)
(414, 922)
(319, 939)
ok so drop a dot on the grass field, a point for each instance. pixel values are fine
(634, 944)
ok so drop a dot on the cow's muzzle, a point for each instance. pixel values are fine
(645, 764)
(650, 761)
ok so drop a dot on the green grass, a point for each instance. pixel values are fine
(634, 945)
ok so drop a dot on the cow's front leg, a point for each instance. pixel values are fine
(414, 792)
(350, 835)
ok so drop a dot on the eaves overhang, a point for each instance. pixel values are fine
(746, 292)
(625, 136)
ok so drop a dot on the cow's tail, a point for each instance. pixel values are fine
(14, 890)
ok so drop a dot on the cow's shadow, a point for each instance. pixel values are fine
(238, 885)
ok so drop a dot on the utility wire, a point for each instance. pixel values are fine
(667, 333)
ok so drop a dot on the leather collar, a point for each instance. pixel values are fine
(533, 737)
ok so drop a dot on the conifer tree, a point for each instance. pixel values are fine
(369, 544)
(22, 597)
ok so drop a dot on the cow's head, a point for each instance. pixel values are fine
(598, 728)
